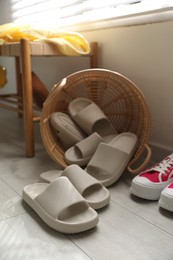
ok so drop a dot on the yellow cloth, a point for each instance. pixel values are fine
(68, 43)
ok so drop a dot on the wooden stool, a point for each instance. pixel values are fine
(22, 101)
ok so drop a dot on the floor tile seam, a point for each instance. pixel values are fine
(17, 193)
(146, 220)
(71, 239)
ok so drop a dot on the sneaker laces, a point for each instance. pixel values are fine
(165, 165)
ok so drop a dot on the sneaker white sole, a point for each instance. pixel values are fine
(150, 192)
(166, 201)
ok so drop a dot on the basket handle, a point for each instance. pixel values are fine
(144, 164)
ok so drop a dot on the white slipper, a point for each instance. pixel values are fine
(68, 132)
(89, 117)
(60, 206)
(82, 152)
(96, 195)
(110, 160)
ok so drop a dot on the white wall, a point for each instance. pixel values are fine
(142, 53)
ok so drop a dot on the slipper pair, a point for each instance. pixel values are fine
(106, 161)
(84, 119)
(104, 153)
(82, 131)
(68, 203)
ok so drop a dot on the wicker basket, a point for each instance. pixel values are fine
(117, 96)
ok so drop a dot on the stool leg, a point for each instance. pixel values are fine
(94, 55)
(27, 97)
(19, 85)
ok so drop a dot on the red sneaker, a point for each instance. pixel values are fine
(166, 198)
(150, 183)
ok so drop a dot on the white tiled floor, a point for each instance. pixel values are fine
(129, 228)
